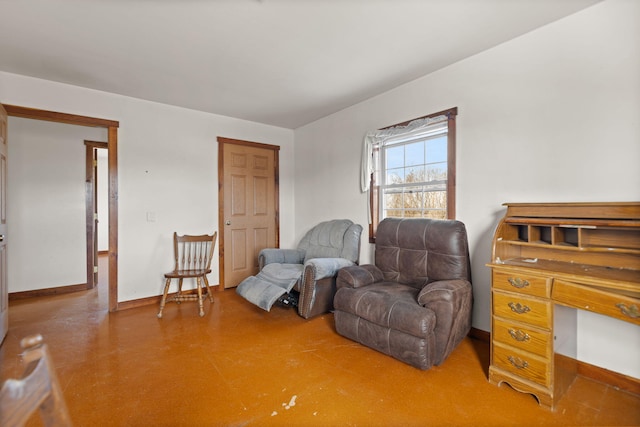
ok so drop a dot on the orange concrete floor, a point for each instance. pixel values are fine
(239, 365)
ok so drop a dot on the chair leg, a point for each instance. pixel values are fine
(206, 282)
(199, 288)
(164, 297)
(178, 300)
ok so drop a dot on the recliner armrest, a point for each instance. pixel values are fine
(282, 256)
(320, 268)
(358, 276)
(451, 301)
(448, 291)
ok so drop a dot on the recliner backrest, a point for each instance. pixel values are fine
(339, 238)
(418, 251)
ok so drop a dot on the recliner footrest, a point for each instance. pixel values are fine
(260, 292)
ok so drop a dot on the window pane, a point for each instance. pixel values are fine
(414, 154)
(435, 199)
(414, 174)
(395, 157)
(392, 199)
(395, 176)
(436, 172)
(414, 202)
(413, 197)
(412, 214)
(393, 213)
(435, 214)
(437, 150)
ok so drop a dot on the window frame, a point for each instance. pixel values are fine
(374, 193)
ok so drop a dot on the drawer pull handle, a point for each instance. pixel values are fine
(631, 311)
(517, 362)
(519, 308)
(519, 335)
(518, 282)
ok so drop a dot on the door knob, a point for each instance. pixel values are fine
(1, 237)
(227, 222)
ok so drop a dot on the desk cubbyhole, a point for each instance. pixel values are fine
(540, 235)
(511, 232)
(546, 235)
(566, 236)
(523, 232)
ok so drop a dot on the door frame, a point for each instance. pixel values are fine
(276, 164)
(112, 145)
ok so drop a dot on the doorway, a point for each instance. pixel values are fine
(248, 200)
(93, 200)
(112, 145)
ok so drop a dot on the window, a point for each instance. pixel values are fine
(413, 170)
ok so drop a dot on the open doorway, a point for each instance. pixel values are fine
(96, 206)
(112, 139)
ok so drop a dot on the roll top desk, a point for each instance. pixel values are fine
(549, 259)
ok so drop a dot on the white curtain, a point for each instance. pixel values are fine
(379, 138)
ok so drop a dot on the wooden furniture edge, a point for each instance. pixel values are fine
(586, 370)
(611, 210)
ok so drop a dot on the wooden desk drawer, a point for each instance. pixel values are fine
(523, 364)
(522, 282)
(522, 336)
(599, 301)
(517, 307)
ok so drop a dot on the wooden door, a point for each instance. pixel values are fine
(4, 286)
(248, 173)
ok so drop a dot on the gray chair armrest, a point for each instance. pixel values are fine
(358, 275)
(319, 268)
(318, 286)
(282, 256)
(451, 300)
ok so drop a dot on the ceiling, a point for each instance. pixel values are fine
(279, 62)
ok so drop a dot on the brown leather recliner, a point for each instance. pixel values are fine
(415, 303)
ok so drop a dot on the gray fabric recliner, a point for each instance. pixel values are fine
(415, 303)
(309, 271)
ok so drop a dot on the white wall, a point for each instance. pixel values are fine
(553, 115)
(167, 164)
(46, 203)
